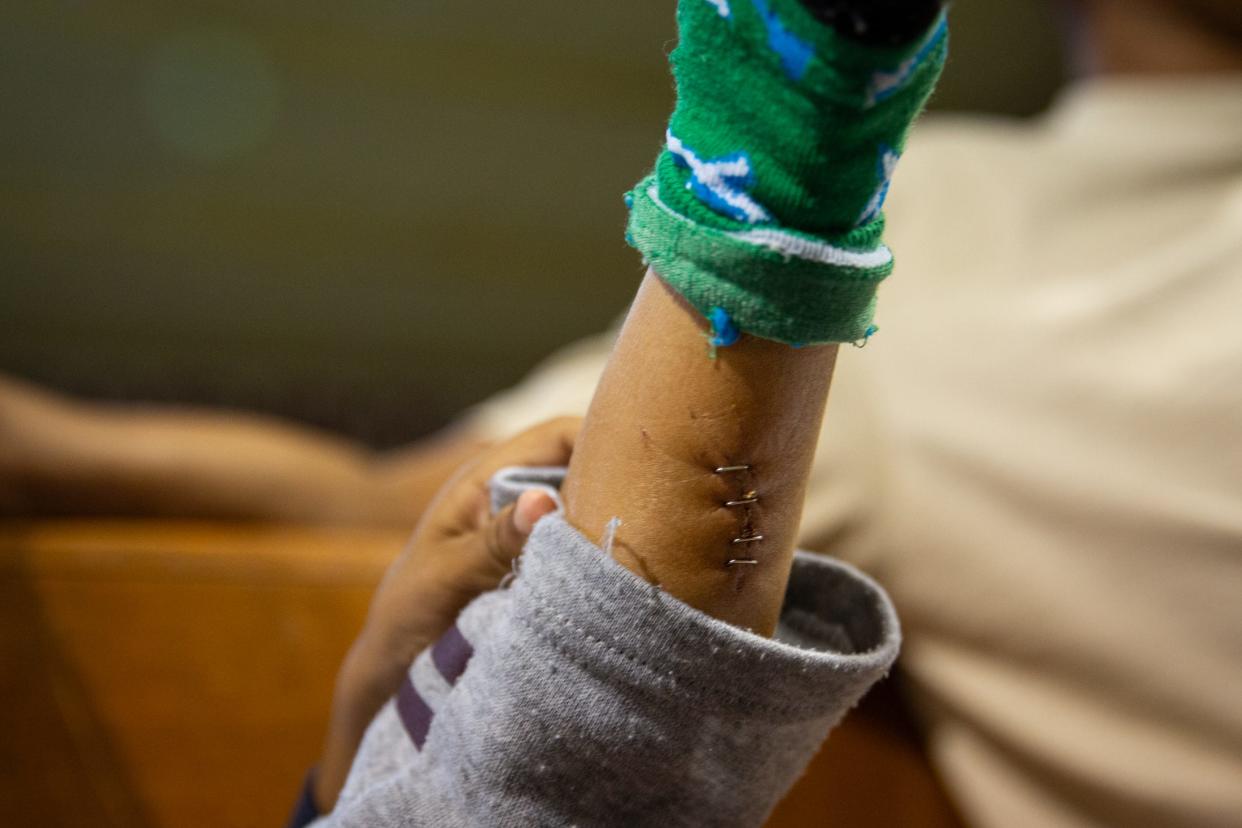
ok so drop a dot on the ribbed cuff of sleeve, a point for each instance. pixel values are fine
(838, 634)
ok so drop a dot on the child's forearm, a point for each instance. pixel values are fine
(764, 215)
(665, 423)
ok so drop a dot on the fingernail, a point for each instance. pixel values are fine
(521, 520)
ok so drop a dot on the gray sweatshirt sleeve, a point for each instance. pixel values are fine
(582, 695)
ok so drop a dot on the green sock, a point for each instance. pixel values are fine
(765, 208)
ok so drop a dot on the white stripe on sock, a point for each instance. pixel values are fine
(884, 83)
(713, 175)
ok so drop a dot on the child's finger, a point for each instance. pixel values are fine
(464, 503)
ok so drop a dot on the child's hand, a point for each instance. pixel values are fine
(458, 551)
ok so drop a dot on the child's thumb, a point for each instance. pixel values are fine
(531, 505)
(512, 525)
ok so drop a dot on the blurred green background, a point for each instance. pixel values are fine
(365, 215)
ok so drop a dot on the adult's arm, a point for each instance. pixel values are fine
(64, 456)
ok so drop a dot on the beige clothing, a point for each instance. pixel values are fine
(1040, 454)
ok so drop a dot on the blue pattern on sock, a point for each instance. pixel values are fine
(795, 54)
(885, 85)
(729, 185)
(724, 330)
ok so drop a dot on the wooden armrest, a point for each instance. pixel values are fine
(174, 674)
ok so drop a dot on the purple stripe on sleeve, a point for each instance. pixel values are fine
(451, 654)
(414, 712)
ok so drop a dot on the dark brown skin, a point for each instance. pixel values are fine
(663, 418)
(1224, 16)
(1163, 37)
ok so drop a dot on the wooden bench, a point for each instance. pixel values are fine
(179, 674)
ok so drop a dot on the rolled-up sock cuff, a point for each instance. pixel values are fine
(776, 284)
